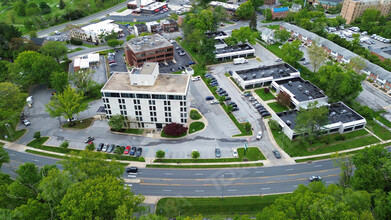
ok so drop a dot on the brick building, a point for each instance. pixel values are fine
(279, 13)
(169, 25)
(152, 48)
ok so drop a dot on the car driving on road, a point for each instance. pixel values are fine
(314, 178)
(277, 154)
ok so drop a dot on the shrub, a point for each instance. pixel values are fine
(340, 138)
(160, 154)
(195, 154)
(266, 90)
(75, 41)
(119, 150)
(194, 115)
(37, 135)
(90, 147)
(273, 124)
(174, 129)
(64, 144)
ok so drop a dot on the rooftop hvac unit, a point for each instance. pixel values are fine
(254, 75)
(245, 77)
(288, 123)
(343, 111)
(306, 92)
(333, 113)
(290, 83)
(310, 98)
(280, 71)
(300, 87)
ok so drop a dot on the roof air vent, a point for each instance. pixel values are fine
(333, 113)
(288, 123)
(254, 75)
(310, 98)
(300, 87)
(244, 77)
(307, 92)
(343, 111)
(290, 83)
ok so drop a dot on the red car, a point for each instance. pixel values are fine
(127, 149)
(112, 61)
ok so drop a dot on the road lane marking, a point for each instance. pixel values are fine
(35, 160)
(318, 165)
(229, 173)
(289, 169)
(198, 174)
(259, 172)
(232, 190)
(167, 173)
(265, 188)
(12, 155)
(199, 191)
(131, 176)
(166, 190)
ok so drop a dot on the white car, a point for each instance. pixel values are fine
(259, 135)
(196, 78)
(26, 122)
(234, 152)
(214, 102)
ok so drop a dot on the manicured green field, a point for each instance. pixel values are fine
(79, 124)
(205, 166)
(277, 107)
(264, 96)
(378, 130)
(196, 126)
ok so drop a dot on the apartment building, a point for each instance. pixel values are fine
(353, 9)
(169, 25)
(95, 32)
(326, 4)
(151, 48)
(279, 13)
(146, 98)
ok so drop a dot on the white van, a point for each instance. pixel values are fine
(30, 101)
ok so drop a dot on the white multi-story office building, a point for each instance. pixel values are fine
(146, 98)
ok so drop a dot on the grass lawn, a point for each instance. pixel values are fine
(80, 124)
(325, 144)
(207, 207)
(46, 154)
(196, 126)
(274, 27)
(264, 96)
(1, 144)
(232, 79)
(122, 9)
(134, 131)
(274, 48)
(383, 120)
(205, 166)
(277, 107)
(195, 115)
(379, 131)
(75, 50)
(252, 154)
(162, 134)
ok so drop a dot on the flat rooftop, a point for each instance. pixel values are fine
(277, 71)
(216, 34)
(153, 6)
(230, 7)
(383, 51)
(338, 112)
(166, 83)
(146, 43)
(168, 21)
(303, 90)
(235, 48)
(147, 68)
(219, 41)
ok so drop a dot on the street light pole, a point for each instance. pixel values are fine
(7, 126)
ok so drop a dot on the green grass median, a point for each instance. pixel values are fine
(205, 166)
(196, 126)
(277, 107)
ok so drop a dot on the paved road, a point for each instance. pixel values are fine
(207, 182)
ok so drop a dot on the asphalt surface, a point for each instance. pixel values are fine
(180, 61)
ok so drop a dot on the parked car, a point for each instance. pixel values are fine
(139, 151)
(131, 169)
(265, 114)
(111, 148)
(105, 146)
(214, 102)
(259, 135)
(113, 64)
(255, 103)
(234, 152)
(127, 149)
(100, 146)
(89, 139)
(277, 154)
(26, 122)
(209, 98)
(314, 178)
(235, 109)
(217, 152)
(248, 94)
(132, 151)
(251, 98)
(196, 78)
(227, 98)
(223, 94)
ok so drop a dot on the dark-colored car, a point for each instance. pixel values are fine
(230, 72)
(277, 154)
(132, 151)
(131, 169)
(264, 114)
(127, 149)
(111, 148)
(191, 63)
(217, 152)
(314, 178)
(112, 61)
(100, 146)
(221, 91)
(227, 98)
(209, 98)
(89, 139)
(223, 94)
(248, 94)
(139, 151)
(235, 109)
(302, 59)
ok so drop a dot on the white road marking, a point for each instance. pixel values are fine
(295, 186)
(329, 181)
(129, 184)
(229, 173)
(289, 169)
(265, 188)
(132, 176)
(167, 173)
(318, 165)
(232, 190)
(259, 172)
(35, 160)
(198, 174)
(166, 190)
(12, 155)
(199, 191)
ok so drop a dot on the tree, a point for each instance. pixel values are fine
(345, 163)
(291, 52)
(42, 69)
(82, 80)
(59, 81)
(273, 124)
(310, 122)
(160, 154)
(245, 10)
(7, 33)
(61, 5)
(373, 169)
(268, 14)
(129, 37)
(20, 8)
(253, 21)
(37, 135)
(247, 127)
(4, 157)
(341, 20)
(221, 99)
(282, 35)
(33, 34)
(54, 49)
(4, 70)
(116, 122)
(66, 104)
(22, 71)
(244, 34)
(64, 145)
(195, 154)
(99, 198)
(174, 129)
(90, 147)
(283, 99)
(357, 64)
(32, 210)
(257, 3)
(370, 16)
(317, 55)
(32, 9)
(11, 101)
(45, 8)
(114, 43)
(230, 108)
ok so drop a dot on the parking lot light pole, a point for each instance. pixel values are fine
(7, 126)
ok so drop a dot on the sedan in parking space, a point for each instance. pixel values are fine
(26, 122)
(255, 103)
(251, 98)
(214, 102)
(139, 151)
(227, 98)
(217, 152)
(223, 94)
(112, 61)
(259, 135)
(208, 75)
(277, 154)
(235, 109)
(234, 152)
(302, 59)
(111, 148)
(221, 91)
(100, 146)
(89, 139)
(132, 151)
(127, 149)
(209, 98)
(314, 178)
(265, 114)
(248, 94)
(113, 64)
(104, 149)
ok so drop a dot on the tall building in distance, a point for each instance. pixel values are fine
(146, 98)
(353, 9)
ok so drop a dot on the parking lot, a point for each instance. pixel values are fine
(119, 59)
(180, 61)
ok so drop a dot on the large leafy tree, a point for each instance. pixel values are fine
(310, 122)
(67, 104)
(257, 3)
(282, 35)
(117, 122)
(59, 81)
(292, 52)
(11, 101)
(253, 21)
(4, 70)
(244, 34)
(357, 64)
(99, 198)
(5, 201)
(7, 33)
(4, 158)
(54, 49)
(317, 55)
(245, 10)
(43, 67)
(34, 209)
(22, 70)
(346, 164)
